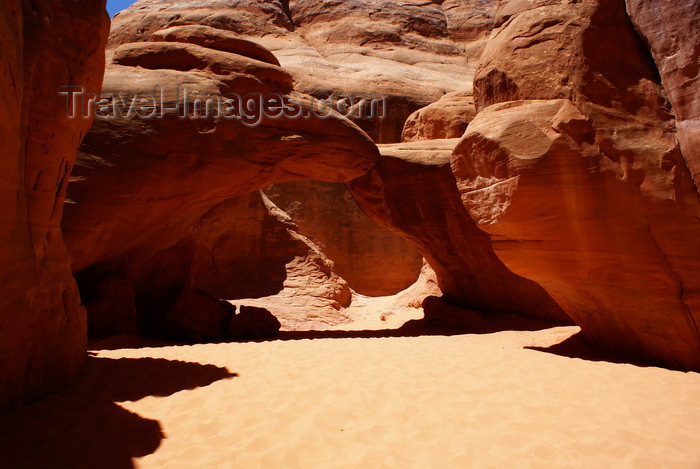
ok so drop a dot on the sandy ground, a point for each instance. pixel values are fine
(382, 399)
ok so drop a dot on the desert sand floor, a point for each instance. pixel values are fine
(363, 400)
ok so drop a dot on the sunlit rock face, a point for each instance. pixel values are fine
(41, 321)
(573, 166)
(407, 53)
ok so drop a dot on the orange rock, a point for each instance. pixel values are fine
(176, 184)
(412, 191)
(43, 325)
(572, 165)
(244, 248)
(161, 174)
(409, 52)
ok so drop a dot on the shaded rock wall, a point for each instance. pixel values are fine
(42, 323)
(241, 250)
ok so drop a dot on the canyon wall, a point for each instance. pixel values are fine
(42, 322)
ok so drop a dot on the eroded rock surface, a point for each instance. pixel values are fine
(41, 321)
(161, 174)
(412, 191)
(146, 194)
(572, 164)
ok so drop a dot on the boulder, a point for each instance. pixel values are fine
(447, 117)
(197, 317)
(254, 323)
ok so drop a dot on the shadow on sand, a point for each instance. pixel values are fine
(577, 346)
(84, 427)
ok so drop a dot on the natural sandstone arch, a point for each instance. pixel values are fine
(141, 186)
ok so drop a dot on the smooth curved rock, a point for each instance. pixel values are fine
(41, 321)
(409, 52)
(573, 167)
(412, 191)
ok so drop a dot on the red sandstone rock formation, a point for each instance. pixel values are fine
(572, 165)
(410, 52)
(247, 248)
(373, 260)
(412, 191)
(141, 186)
(670, 29)
(41, 321)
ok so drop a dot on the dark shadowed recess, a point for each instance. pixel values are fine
(84, 427)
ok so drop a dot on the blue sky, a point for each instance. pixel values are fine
(113, 6)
